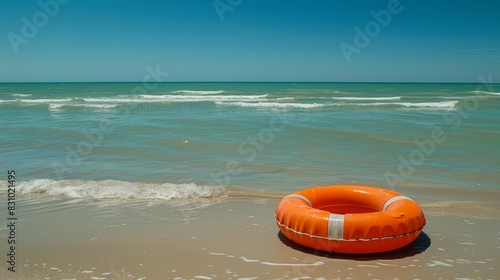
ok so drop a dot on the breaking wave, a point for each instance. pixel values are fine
(112, 189)
(429, 105)
(202, 92)
(487, 92)
(272, 105)
(367, 98)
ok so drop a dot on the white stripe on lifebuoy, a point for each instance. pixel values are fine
(394, 199)
(336, 226)
(301, 197)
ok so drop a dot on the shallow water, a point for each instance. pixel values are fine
(185, 140)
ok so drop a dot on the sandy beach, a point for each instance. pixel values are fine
(236, 238)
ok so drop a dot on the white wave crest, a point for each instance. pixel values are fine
(197, 98)
(116, 100)
(112, 189)
(56, 106)
(39, 101)
(285, 99)
(272, 105)
(430, 105)
(59, 106)
(201, 92)
(96, 106)
(487, 92)
(21, 94)
(367, 98)
(145, 98)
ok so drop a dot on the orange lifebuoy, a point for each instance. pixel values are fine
(350, 219)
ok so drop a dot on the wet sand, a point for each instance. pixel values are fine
(236, 238)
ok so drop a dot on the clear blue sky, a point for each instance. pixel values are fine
(254, 40)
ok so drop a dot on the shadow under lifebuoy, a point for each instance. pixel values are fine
(419, 245)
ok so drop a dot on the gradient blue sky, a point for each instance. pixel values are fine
(259, 40)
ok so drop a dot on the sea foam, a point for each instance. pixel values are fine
(21, 94)
(202, 92)
(487, 92)
(429, 105)
(367, 98)
(272, 105)
(198, 98)
(113, 189)
(38, 101)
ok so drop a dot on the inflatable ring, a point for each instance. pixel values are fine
(350, 219)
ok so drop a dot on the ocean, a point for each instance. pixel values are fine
(167, 141)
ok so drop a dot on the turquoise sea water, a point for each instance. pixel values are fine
(168, 140)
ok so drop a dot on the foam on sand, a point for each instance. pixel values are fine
(112, 189)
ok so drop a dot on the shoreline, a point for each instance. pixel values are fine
(236, 238)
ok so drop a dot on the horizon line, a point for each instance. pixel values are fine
(215, 82)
